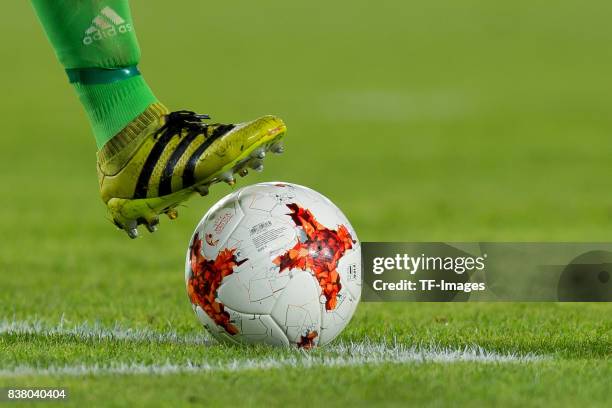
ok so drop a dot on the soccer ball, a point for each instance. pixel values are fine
(274, 263)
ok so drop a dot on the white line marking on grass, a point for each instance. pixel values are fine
(87, 331)
(341, 354)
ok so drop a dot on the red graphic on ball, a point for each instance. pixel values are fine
(307, 341)
(319, 253)
(206, 277)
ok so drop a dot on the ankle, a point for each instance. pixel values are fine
(120, 148)
(112, 106)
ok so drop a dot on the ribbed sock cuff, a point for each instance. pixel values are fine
(133, 132)
(111, 107)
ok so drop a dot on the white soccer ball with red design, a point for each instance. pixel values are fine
(274, 263)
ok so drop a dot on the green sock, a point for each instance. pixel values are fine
(96, 43)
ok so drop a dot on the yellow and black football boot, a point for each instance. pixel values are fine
(161, 158)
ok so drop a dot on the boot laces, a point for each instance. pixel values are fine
(181, 120)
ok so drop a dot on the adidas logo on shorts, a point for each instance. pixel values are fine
(106, 24)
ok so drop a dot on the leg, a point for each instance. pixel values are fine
(96, 43)
(149, 160)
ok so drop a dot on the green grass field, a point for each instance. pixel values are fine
(444, 120)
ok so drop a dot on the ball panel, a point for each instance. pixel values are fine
(256, 284)
(218, 225)
(261, 236)
(266, 199)
(349, 268)
(271, 189)
(251, 290)
(211, 327)
(255, 329)
(297, 308)
(334, 321)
